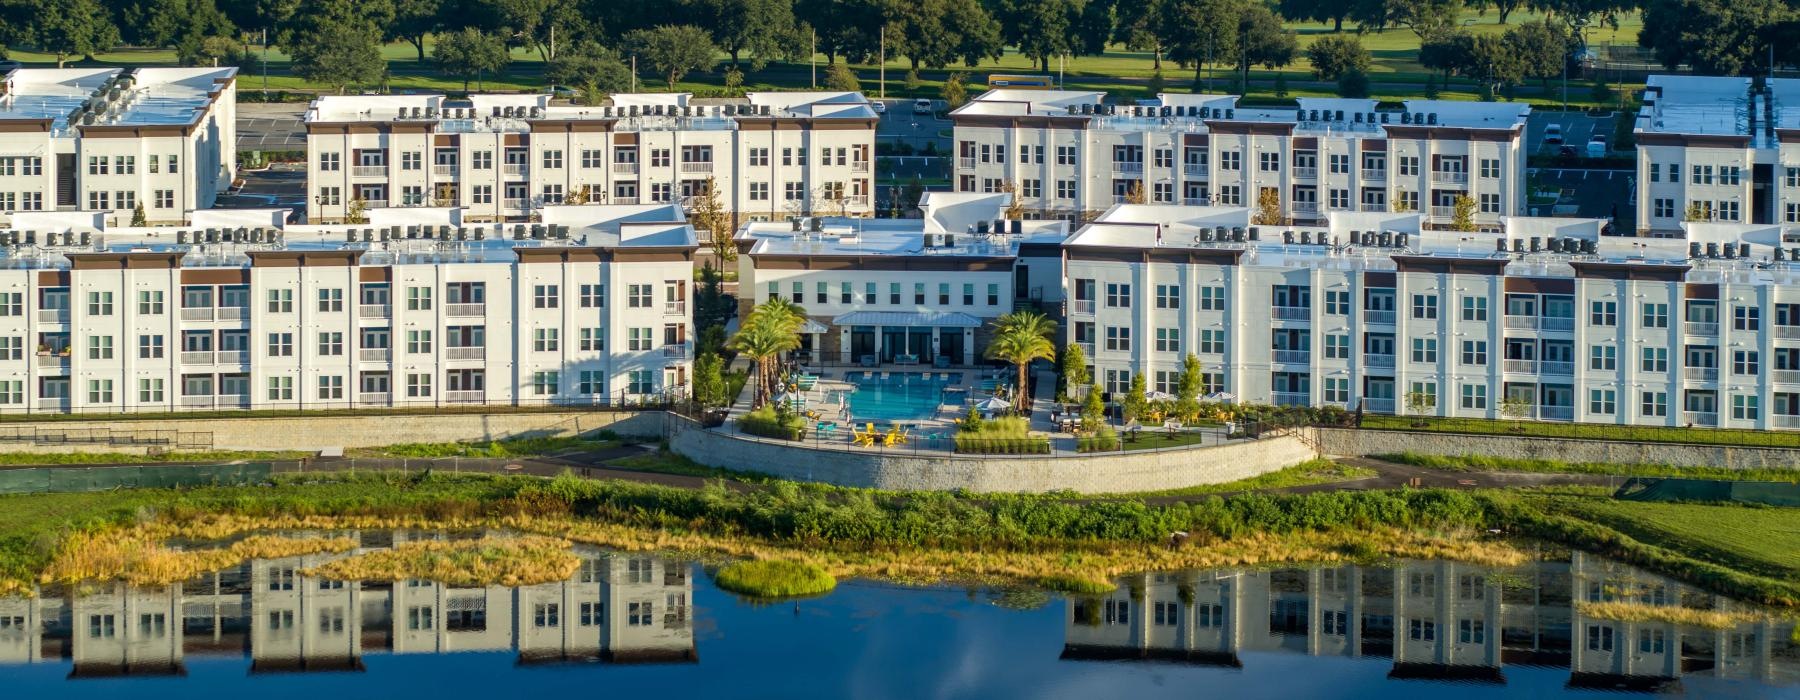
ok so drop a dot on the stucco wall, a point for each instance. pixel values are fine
(314, 433)
(1109, 473)
(1357, 443)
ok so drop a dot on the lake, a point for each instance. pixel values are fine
(630, 625)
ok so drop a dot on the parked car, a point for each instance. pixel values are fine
(1553, 135)
(1596, 147)
(922, 106)
(879, 106)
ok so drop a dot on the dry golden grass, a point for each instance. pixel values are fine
(136, 556)
(523, 560)
(1620, 611)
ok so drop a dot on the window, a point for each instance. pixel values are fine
(331, 387)
(150, 390)
(1471, 632)
(150, 347)
(1663, 208)
(1602, 402)
(1651, 641)
(1746, 362)
(1474, 396)
(281, 301)
(331, 343)
(637, 296)
(281, 388)
(1489, 203)
(281, 345)
(1168, 340)
(418, 342)
(100, 303)
(150, 303)
(100, 347)
(1337, 346)
(1118, 338)
(328, 162)
(1654, 404)
(638, 339)
(553, 158)
(1337, 389)
(1475, 309)
(1603, 313)
(1168, 296)
(12, 304)
(1424, 350)
(1654, 360)
(1656, 315)
(1212, 298)
(1474, 353)
(544, 383)
(1408, 165)
(1603, 358)
(100, 391)
(1425, 306)
(1744, 318)
(1337, 302)
(1118, 295)
(1599, 638)
(1212, 341)
(1268, 162)
(418, 385)
(1490, 168)
(1422, 630)
(993, 295)
(331, 300)
(641, 381)
(591, 340)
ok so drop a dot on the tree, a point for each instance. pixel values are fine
(1187, 388)
(1503, 8)
(1697, 211)
(469, 54)
(70, 28)
(414, 20)
(1135, 26)
(762, 29)
(1135, 193)
(956, 92)
(1040, 29)
(1426, 18)
(1517, 408)
(596, 69)
(1463, 215)
(847, 28)
(183, 24)
(772, 328)
(1135, 404)
(1093, 409)
(211, 51)
(673, 50)
(1015, 206)
(1354, 84)
(1420, 404)
(1199, 32)
(1019, 338)
(1156, 85)
(1074, 371)
(911, 194)
(709, 381)
(535, 24)
(1490, 61)
(1334, 56)
(711, 307)
(338, 42)
(937, 33)
(1578, 15)
(709, 215)
(839, 78)
(137, 216)
(1265, 41)
(1268, 208)
(1542, 48)
(1333, 11)
(1720, 37)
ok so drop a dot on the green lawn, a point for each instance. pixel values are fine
(1156, 439)
(1760, 540)
(32, 459)
(1586, 431)
(1318, 471)
(1482, 463)
(1395, 71)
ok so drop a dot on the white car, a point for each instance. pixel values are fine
(1596, 147)
(1553, 135)
(879, 107)
(922, 106)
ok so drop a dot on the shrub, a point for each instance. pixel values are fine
(1001, 436)
(1103, 440)
(775, 579)
(770, 422)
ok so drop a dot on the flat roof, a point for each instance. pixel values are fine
(628, 111)
(1189, 112)
(1697, 105)
(116, 97)
(959, 224)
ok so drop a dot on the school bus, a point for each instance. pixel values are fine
(1021, 82)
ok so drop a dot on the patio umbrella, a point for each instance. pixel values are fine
(1220, 396)
(992, 403)
(1154, 395)
(785, 399)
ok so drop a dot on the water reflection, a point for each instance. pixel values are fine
(617, 608)
(1434, 620)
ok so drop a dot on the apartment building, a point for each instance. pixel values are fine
(1071, 154)
(908, 290)
(1717, 149)
(416, 308)
(111, 140)
(1547, 318)
(505, 157)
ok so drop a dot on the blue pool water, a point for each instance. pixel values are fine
(900, 395)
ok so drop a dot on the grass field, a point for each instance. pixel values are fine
(1395, 72)
(1764, 541)
(1318, 471)
(1481, 463)
(1586, 431)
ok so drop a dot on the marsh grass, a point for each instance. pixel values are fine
(493, 449)
(1484, 463)
(139, 556)
(774, 579)
(1623, 611)
(524, 560)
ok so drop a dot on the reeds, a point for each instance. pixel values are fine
(137, 557)
(775, 578)
(507, 561)
(1624, 611)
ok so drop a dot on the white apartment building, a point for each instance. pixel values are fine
(1718, 146)
(905, 290)
(1070, 154)
(417, 308)
(110, 140)
(505, 157)
(1703, 330)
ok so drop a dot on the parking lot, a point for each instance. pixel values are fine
(270, 127)
(1577, 128)
(282, 185)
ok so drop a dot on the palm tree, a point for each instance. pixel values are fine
(771, 329)
(1019, 338)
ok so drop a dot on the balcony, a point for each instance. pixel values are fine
(374, 310)
(1373, 359)
(1086, 348)
(1519, 366)
(1443, 212)
(514, 203)
(232, 357)
(1700, 328)
(1378, 405)
(697, 167)
(515, 169)
(677, 351)
(1196, 201)
(201, 401)
(475, 396)
(374, 398)
(465, 310)
(1700, 418)
(198, 357)
(1785, 376)
(1385, 318)
(53, 360)
(861, 166)
(675, 308)
(53, 403)
(53, 315)
(1786, 332)
(375, 203)
(857, 201)
(624, 200)
(965, 163)
(1374, 174)
(1293, 313)
(1377, 208)
(1552, 367)
(465, 353)
(1700, 374)
(368, 171)
(1306, 207)
(1194, 170)
(232, 313)
(625, 168)
(1082, 307)
(1125, 167)
(1449, 177)
(1292, 398)
(374, 354)
(1781, 421)
(1557, 323)
(197, 313)
(1556, 413)
(1293, 357)
(1301, 173)
(449, 171)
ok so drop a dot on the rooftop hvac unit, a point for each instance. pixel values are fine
(798, 224)
(1536, 244)
(180, 238)
(431, 112)
(1384, 118)
(368, 235)
(999, 225)
(30, 237)
(1518, 245)
(1400, 239)
(385, 234)
(1589, 247)
(1431, 118)
(816, 224)
(1205, 112)
(1313, 116)
(1206, 235)
(480, 233)
(949, 240)
(401, 114)
(349, 236)
(1406, 117)
(537, 112)
(1018, 226)
(1237, 235)
(1166, 111)
(631, 110)
(1779, 255)
(1744, 250)
(496, 111)
(1299, 115)
(1339, 116)
(1230, 113)
(1712, 250)
(418, 112)
(518, 232)
(1499, 245)
(537, 232)
(981, 226)
(1358, 118)
(1255, 234)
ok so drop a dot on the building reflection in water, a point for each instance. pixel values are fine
(1435, 620)
(618, 608)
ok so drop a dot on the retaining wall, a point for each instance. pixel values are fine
(1107, 473)
(308, 433)
(1358, 443)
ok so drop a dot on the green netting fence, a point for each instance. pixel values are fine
(1657, 489)
(69, 479)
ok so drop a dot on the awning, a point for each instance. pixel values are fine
(939, 319)
(811, 327)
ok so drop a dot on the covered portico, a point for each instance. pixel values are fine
(907, 336)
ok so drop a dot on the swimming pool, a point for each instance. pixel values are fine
(889, 396)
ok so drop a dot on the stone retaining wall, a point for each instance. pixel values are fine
(1107, 473)
(1359, 443)
(309, 433)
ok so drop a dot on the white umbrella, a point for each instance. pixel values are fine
(785, 399)
(1220, 396)
(992, 403)
(1153, 395)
